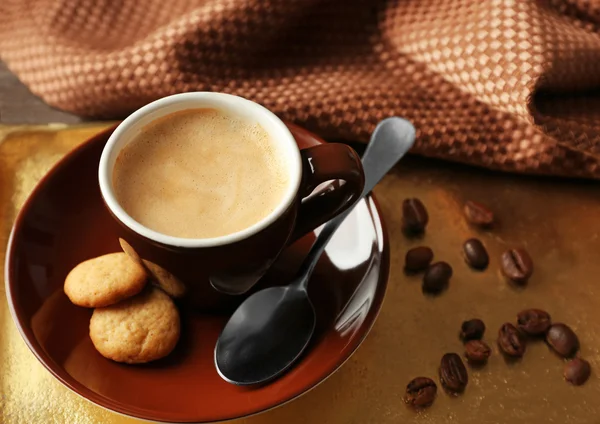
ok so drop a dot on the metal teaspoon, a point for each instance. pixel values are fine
(271, 329)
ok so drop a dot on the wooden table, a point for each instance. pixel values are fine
(18, 105)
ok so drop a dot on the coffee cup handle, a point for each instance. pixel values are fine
(322, 163)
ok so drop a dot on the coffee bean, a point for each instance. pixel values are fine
(414, 216)
(517, 265)
(472, 329)
(534, 321)
(562, 339)
(418, 259)
(475, 254)
(577, 371)
(436, 277)
(510, 341)
(453, 373)
(478, 214)
(420, 392)
(477, 352)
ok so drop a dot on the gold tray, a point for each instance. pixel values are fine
(556, 220)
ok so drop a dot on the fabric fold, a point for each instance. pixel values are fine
(511, 85)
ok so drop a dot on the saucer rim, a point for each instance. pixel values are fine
(143, 414)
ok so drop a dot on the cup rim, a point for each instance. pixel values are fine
(279, 133)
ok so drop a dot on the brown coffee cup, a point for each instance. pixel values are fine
(235, 262)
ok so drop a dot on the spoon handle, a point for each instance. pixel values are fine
(390, 141)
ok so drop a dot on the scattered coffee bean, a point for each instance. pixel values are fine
(534, 321)
(577, 371)
(414, 216)
(475, 254)
(510, 341)
(478, 214)
(420, 392)
(472, 329)
(562, 339)
(453, 373)
(418, 259)
(517, 265)
(477, 352)
(436, 277)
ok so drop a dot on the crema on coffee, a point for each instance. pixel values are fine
(200, 173)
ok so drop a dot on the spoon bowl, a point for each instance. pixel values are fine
(245, 343)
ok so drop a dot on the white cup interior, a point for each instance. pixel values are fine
(235, 105)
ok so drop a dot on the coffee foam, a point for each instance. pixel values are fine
(200, 173)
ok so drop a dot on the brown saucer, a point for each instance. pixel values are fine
(64, 222)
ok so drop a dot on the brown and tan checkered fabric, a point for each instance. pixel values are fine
(504, 84)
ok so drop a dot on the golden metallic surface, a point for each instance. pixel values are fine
(557, 221)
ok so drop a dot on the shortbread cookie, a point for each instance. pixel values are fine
(165, 280)
(141, 329)
(130, 251)
(104, 280)
(158, 275)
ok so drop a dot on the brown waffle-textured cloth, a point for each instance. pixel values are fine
(504, 84)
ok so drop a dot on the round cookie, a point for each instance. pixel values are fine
(140, 329)
(165, 280)
(158, 275)
(105, 280)
(130, 251)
